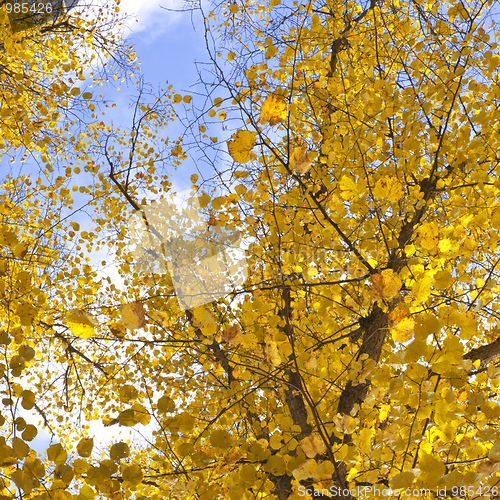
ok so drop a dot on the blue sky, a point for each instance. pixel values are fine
(168, 45)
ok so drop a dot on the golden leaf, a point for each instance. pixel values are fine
(273, 110)
(118, 330)
(388, 188)
(312, 445)
(385, 285)
(81, 323)
(349, 188)
(84, 447)
(220, 439)
(133, 315)
(240, 146)
(402, 480)
(421, 289)
(132, 474)
(203, 319)
(299, 159)
(401, 325)
(232, 335)
(306, 470)
(273, 354)
(429, 235)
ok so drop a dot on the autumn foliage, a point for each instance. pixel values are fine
(355, 147)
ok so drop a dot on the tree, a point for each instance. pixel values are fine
(42, 70)
(360, 356)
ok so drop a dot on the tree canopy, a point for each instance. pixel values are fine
(353, 352)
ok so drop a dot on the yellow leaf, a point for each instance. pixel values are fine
(238, 174)
(273, 354)
(26, 312)
(118, 451)
(204, 200)
(306, 470)
(84, 447)
(445, 245)
(127, 418)
(402, 480)
(220, 439)
(127, 393)
(141, 414)
(365, 437)
(385, 285)
(401, 325)
(80, 465)
(81, 323)
(431, 465)
(21, 449)
(86, 493)
(273, 110)
(299, 159)
(349, 190)
(203, 319)
(133, 315)
(345, 423)
(429, 235)
(28, 399)
(132, 474)
(57, 454)
(388, 188)
(29, 433)
(184, 449)
(97, 475)
(312, 445)
(232, 335)
(118, 330)
(165, 404)
(23, 480)
(240, 146)
(421, 289)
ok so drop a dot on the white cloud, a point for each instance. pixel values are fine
(149, 17)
